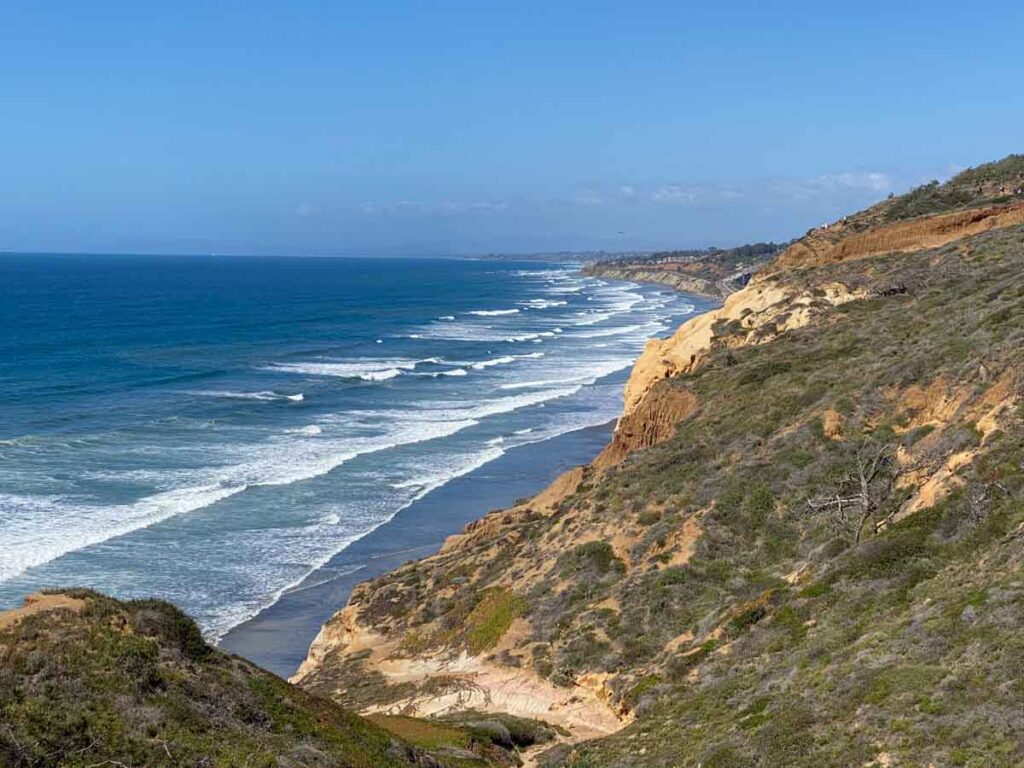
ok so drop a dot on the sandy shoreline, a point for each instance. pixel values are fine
(279, 637)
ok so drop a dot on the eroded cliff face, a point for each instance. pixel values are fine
(371, 656)
(653, 420)
(692, 550)
(762, 311)
(839, 242)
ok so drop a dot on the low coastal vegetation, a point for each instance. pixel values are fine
(491, 618)
(86, 680)
(806, 550)
(991, 183)
(821, 566)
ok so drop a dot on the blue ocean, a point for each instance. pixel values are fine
(211, 430)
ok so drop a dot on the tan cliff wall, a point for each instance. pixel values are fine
(712, 289)
(762, 303)
(762, 309)
(828, 246)
(653, 421)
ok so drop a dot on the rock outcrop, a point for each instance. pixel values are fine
(653, 420)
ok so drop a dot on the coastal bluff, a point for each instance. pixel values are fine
(796, 476)
(802, 547)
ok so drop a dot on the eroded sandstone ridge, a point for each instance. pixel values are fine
(763, 310)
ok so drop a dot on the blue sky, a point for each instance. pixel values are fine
(462, 127)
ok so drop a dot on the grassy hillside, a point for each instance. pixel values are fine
(824, 638)
(989, 184)
(92, 681)
(820, 568)
(806, 549)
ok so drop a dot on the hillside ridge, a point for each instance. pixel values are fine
(802, 547)
(847, 418)
(86, 680)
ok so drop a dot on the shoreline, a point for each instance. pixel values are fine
(278, 638)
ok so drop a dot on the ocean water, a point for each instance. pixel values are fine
(212, 430)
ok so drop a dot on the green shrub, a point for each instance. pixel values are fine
(596, 557)
(488, 622)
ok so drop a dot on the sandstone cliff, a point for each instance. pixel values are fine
(775, 556)
(698, 286)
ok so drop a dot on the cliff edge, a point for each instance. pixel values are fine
(801, 548)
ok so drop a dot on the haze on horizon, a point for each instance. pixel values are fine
(458, 127)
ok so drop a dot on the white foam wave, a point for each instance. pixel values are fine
(480, 365)
(622, 330)
(533, 384)
(515, 403)
(27, 544)
(595, 317)
(366, 370)
(536, 337)
(543, 303)
(424, 485)
(493, 312)
(503, 360)
(587, 373)
(266, 396)
(310, 431)
(279, 462)
(452, 372)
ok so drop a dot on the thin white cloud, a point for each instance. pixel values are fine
(833, 183)
(840, 185)
(439, 207)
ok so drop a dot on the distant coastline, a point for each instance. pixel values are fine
(639, 273)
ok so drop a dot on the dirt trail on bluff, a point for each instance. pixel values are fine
(39, 603)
